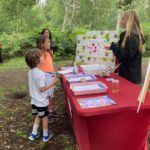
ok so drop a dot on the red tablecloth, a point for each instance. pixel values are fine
(115, 127)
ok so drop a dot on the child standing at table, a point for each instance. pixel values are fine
(43, 43)
(38, 92)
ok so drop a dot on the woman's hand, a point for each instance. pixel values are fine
(107, 47)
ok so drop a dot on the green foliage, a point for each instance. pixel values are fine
(69, 148)
(124, 4)
(20, 133)
(42, 145)
(97, 14)
(22, 20)
(11, 43)
(146, 28)
(65, 43)
(16, 43)
(17, 63)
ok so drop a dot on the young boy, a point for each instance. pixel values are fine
(38, 92)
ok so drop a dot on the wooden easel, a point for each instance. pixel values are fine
(143, 92)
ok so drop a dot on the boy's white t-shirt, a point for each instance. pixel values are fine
(36, 80)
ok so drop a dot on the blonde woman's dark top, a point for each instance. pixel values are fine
(130, 57)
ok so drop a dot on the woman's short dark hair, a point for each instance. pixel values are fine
(32, 57)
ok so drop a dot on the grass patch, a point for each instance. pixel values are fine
(2, 93)
(19, 63)
(14, 86)
(14, 63)
(66, 139)
(69, 148)
(20, 133)
(1, 114)
(145, 60)
(29, 115)
(14, 90)
(62, 62)
(42, 145)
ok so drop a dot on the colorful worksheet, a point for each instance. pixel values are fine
(92, 102)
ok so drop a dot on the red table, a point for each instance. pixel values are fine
(115, 127)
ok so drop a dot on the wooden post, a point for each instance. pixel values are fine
(142, 95)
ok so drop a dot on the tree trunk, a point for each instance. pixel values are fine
(74, 15)
(92, 14)
(118, 20)
(66, 6)
(146, 4)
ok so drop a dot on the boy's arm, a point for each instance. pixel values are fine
(45, 88)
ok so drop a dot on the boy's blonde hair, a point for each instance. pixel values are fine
(133, 25)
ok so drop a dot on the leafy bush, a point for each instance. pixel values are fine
(28, 42)
(11, 43)
(146, 28)
(64, 44)
(16, 43)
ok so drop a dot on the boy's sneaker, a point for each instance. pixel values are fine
(32, 137)
(46, 138)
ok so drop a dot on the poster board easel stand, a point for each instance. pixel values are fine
(143, 92)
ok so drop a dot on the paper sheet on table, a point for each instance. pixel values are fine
(86, 87)
(79, 78)
(66, 68)
(65, 71)
(93, 67)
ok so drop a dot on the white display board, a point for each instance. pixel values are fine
(91, 48)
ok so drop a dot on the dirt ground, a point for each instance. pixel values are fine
(16, 119)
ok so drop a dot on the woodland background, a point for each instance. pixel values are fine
(22, 20)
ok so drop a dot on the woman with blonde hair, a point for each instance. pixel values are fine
(129, 48)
